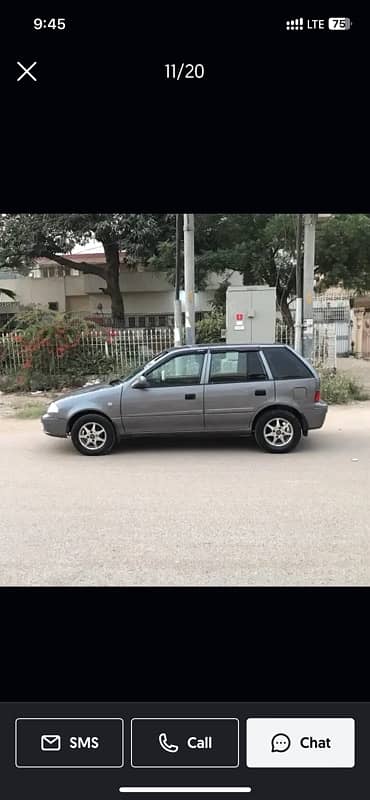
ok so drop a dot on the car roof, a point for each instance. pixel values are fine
(185, 348)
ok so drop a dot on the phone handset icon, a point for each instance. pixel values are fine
(169, 748)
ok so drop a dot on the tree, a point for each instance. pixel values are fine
(26, 237)
(8, 293)
(343, 252)
(262, 247)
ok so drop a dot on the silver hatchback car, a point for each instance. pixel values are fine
(266, 391)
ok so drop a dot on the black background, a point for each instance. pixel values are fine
(178, 644)
(279, 125)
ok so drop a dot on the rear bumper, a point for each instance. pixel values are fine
(54, 425)
(315, 415)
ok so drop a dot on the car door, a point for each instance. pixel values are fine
(238, 386)
(172, 402)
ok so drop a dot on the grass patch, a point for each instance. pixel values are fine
(337, 388)
(30, 411)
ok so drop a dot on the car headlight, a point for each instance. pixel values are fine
(53, 409)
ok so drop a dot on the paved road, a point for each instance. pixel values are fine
(194, 513)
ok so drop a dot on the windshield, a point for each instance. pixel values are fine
(143, 366)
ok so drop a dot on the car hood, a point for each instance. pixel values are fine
(85, 390)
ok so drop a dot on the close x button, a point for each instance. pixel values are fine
(69, 743)
(184, 743)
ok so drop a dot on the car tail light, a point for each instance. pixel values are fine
(317, 396)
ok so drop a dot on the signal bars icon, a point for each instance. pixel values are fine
(294, 24)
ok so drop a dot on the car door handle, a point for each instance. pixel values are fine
(190, 396)
(260, 392)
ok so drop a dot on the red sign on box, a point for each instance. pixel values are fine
(239, 317)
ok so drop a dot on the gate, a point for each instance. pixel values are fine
(333, 311)
(337, 312)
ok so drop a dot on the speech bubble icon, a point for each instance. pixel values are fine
(280, 743)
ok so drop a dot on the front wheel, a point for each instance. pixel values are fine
(277, 431)
(93, 435)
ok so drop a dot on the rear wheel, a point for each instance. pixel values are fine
(93, 435)
(278, 431)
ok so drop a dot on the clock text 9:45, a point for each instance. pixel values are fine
(178, 72)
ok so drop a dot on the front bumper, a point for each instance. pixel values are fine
(54, 425)
(316, 414)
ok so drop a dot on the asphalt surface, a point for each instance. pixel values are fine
(187, 513)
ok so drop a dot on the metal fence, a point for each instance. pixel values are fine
(284, 334)
(131, 347)
(325, 345)
(125, 348)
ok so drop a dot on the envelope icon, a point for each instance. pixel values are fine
(51, 742)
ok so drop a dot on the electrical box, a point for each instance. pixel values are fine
(250, 314)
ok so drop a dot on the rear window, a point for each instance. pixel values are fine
(285, 365)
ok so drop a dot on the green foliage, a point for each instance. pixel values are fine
(55, 351)
(208, 330)
(343, 251)
(219, 297)
(25, 237)
(31, 411)
(12, 383)
(32, 320)
(84, 365)
(261, 247)
(336, 388)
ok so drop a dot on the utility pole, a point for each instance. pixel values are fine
(299, 290)
(177, 302)
(308, 283)
(189, 278)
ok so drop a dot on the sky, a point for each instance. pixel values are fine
(92, 247)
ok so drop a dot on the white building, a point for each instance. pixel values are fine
(147, 295)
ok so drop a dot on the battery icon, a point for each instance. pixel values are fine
(339, 24)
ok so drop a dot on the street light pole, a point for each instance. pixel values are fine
(308, 283)
(177, 302)
(299, 290)
(189, 278)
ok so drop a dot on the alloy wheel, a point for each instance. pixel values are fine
(92, 436)
(278, 432)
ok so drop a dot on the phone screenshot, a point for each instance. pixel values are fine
(184, 403)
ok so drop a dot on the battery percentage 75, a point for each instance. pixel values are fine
(339, 24)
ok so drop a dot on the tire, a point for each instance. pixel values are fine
(96, 431)
(288, 425)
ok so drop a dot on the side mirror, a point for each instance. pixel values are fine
(140, 383)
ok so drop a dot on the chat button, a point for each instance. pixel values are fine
(280, 743)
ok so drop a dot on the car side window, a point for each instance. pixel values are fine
(255, 368)
(236, 366)
(286, 365)
(181, 370)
